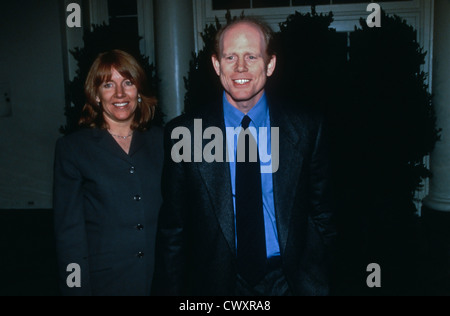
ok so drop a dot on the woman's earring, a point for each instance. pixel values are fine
(139, 99)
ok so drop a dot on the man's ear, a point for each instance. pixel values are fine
(271, 65)
(216, 64)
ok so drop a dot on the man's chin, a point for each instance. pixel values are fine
(245, 95)
(242, 97)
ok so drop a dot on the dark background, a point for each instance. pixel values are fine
(27, 244)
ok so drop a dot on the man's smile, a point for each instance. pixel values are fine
(241, 82)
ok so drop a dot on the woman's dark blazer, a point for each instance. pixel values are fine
(106, 204)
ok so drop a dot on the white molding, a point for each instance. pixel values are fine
(346, 16)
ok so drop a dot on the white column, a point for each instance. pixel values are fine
(174, 35)
(146, 28)
(439, 197)
(93, 12)
(73, 37)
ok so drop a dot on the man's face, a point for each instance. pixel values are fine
(243, 66)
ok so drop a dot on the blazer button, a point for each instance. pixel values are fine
(140, 255)
(137, 198)
(140, 227)
(132, 170)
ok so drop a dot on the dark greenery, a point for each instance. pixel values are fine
(382, 131)
(201, 71)
(197, 93)
(393, 109)
(310, 60)
(381, 125)
(101, 39)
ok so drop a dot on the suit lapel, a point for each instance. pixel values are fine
(216, 176)
(285, 180)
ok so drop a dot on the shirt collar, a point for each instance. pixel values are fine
(258, 114)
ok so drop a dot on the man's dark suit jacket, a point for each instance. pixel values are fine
(106, 205)
(196, 231)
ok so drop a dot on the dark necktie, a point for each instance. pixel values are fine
(251, 240)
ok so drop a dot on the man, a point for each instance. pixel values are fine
(225, 228)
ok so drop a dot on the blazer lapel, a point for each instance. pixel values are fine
(136, 143)
(106, 142)
(216, 176)
(285, 180)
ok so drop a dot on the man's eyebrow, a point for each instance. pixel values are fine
(246, 53)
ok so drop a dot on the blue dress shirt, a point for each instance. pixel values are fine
(259, 115)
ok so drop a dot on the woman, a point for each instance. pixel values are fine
(107, 185)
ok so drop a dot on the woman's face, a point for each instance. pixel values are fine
(118, 97)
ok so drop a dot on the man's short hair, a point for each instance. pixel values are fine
(265, 29)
